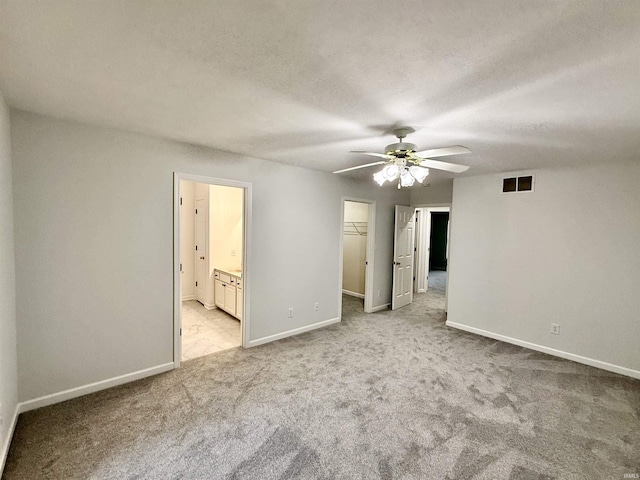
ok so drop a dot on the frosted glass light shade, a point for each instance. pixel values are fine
(406, 179)
(408, 175)
(419, 173)
(379, 178)
(390, 172)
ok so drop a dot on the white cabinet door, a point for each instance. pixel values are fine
(230, 299)
(219, 293)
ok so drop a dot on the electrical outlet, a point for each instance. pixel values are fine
(555, 328)
(233, 253)
(316, 306)
(290, 312)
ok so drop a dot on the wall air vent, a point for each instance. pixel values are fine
(509, 184)
(517, 184)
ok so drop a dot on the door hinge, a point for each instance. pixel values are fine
(196, 284)
(196, 211)
(180, 267)
(196, 248)
(180, 200)
(181, 332)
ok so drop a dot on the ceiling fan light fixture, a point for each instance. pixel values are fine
(390, 172)
(406, 179)
(405, 163)
(379, 178)
(419, 173)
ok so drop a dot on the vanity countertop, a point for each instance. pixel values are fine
(234, 272)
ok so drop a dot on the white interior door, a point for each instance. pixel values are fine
(423, 236)
(403, 249)
(200, 261)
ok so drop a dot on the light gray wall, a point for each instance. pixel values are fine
(8, 356)
(566, 254)
(94, 233)
(436, 193)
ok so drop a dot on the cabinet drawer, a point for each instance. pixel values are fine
(216, 274)
(239, 282)
(224, 277)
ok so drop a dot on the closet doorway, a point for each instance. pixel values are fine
(357, 240)
(210, 253)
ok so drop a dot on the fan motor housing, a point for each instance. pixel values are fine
(400, 148)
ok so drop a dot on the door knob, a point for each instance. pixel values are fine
(201, 258)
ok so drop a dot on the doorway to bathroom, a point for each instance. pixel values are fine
(211, 284)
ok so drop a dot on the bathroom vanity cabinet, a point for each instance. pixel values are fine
(228, 292)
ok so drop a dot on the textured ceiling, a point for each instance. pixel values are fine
(523, 84)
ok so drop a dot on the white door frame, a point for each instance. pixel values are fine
(424, 238)
(246, 257)
(370, 256)
(423, 230)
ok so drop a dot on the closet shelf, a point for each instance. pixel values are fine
(355, 228)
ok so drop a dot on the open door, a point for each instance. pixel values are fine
(403, 248)
(202, 225)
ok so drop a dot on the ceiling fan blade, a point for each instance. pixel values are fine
(446, 166)
(381, 155)
(360, 166)
(443, 152)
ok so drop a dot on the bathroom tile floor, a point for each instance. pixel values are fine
(207, 331)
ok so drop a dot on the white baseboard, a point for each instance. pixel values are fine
(352, 294)
(186, 298)
(380, 307)
(92, 387)
(210, 306)
(295, 331)
(551, 351)
(422, 290)
(7, 441)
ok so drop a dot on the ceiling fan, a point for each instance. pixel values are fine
(404, 161)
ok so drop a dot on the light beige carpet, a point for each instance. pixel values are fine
(389, 395)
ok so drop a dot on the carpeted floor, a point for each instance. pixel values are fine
(437, 281)
(387, 395)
